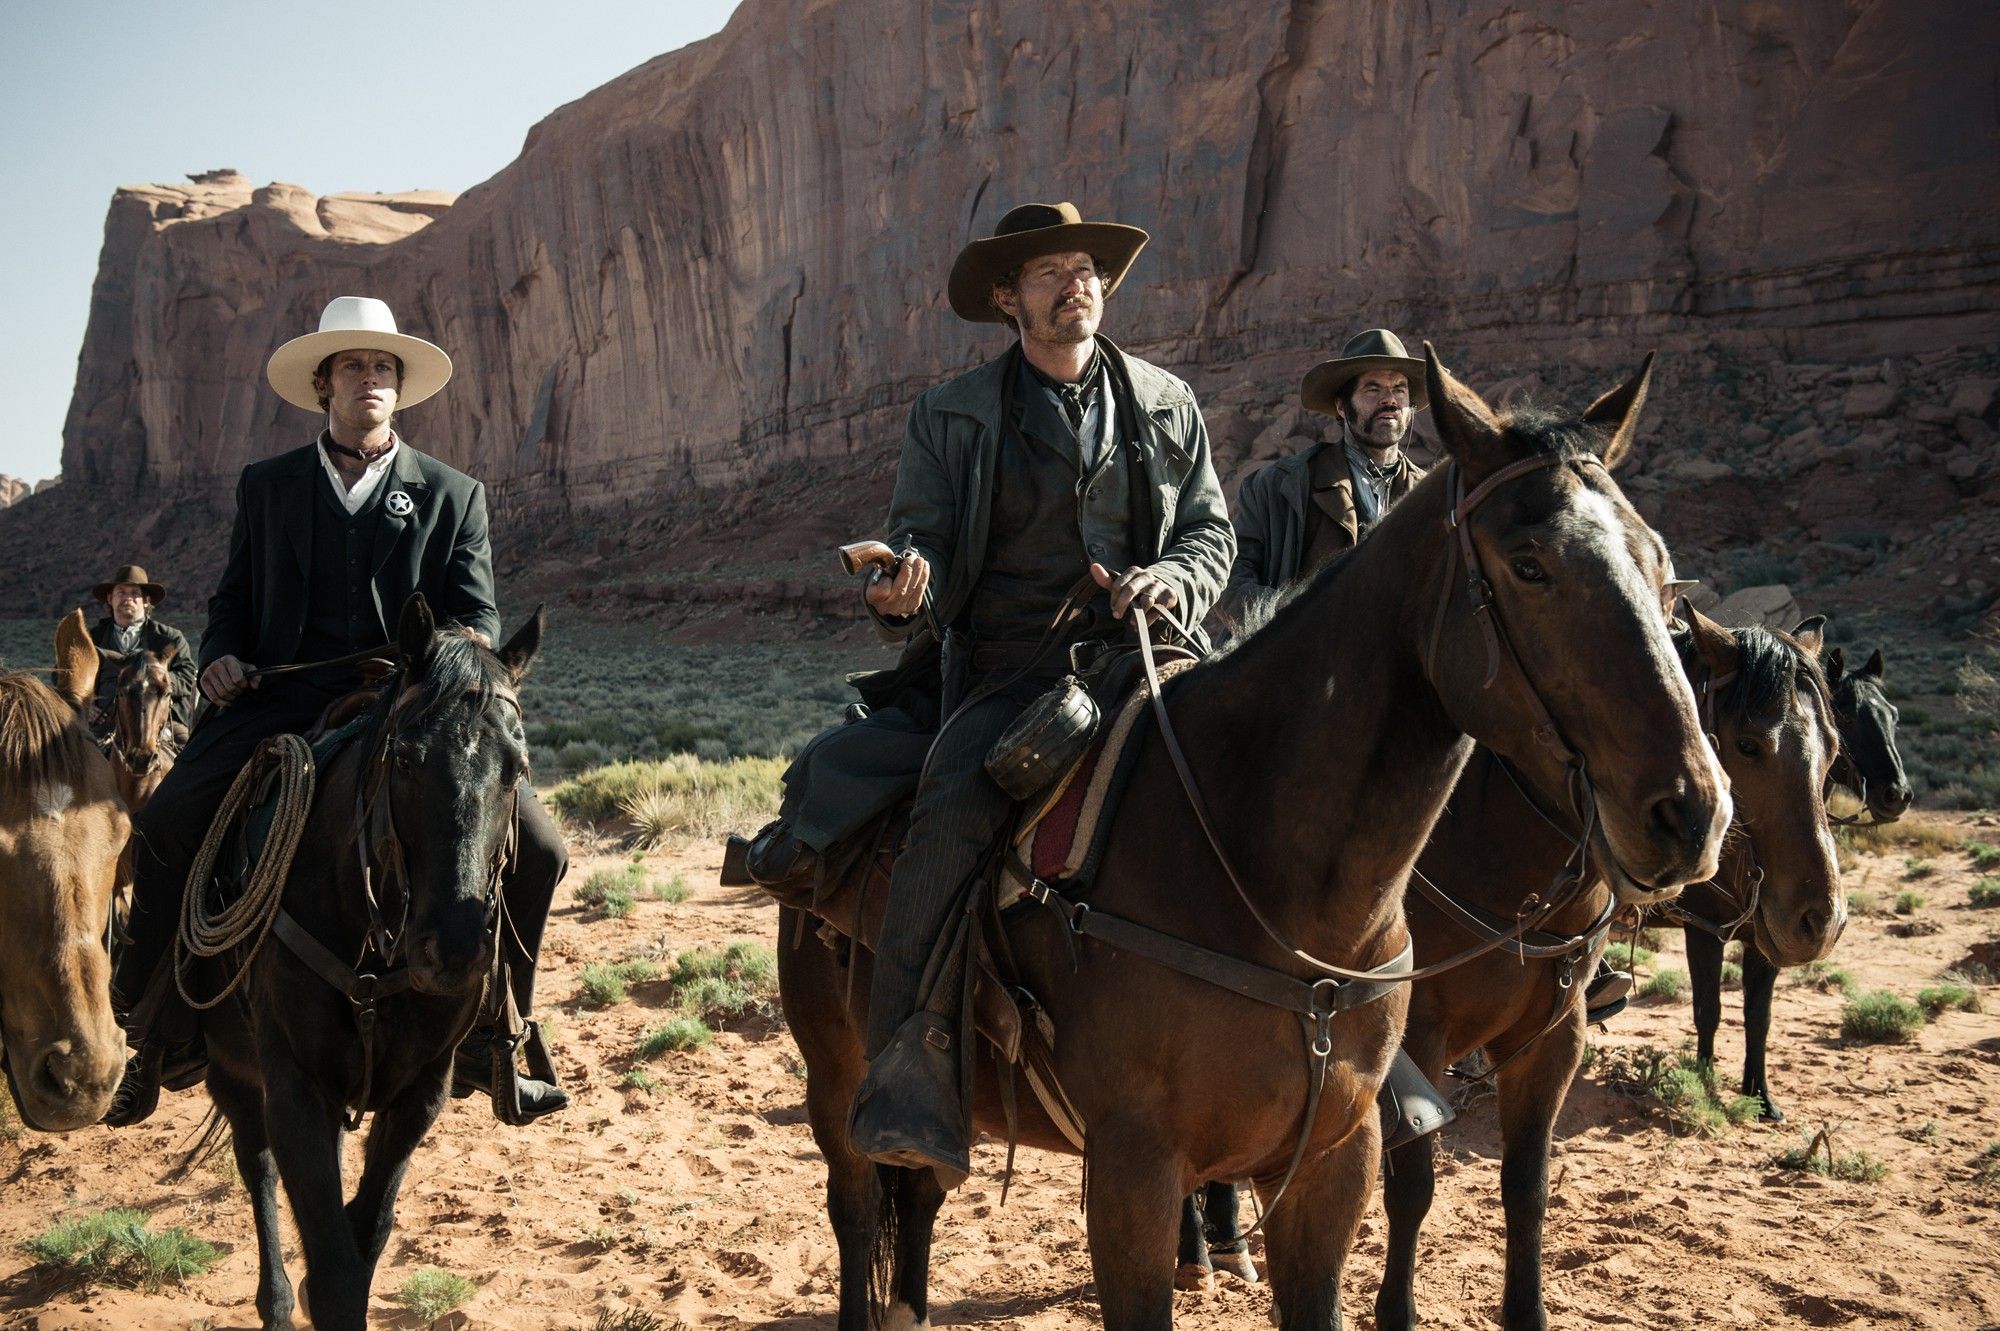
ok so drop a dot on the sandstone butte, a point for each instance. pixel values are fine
(733, 257)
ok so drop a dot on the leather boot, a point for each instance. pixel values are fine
(908, 1111)
(1606, 994)
(777, 857)
(472, 1070)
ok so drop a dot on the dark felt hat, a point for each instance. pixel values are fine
(1376, 349)
(1028, 232)
(134, 574)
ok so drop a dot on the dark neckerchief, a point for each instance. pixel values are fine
(326, 442)
(1075, 398)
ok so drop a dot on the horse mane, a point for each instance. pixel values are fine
(1767, 666)
(457, 665)
(39, 740)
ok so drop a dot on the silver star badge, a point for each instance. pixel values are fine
(400, 504)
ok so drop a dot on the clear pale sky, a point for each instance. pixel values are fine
(105, 93)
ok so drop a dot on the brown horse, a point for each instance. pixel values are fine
(62, 832)
(1514, 596)
(1500, 841)
(141, 705)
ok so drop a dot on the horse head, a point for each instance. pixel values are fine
(141, 703)
(1870, 764)
(450, 750)
(1550, 644)
(1767, 704)
(62, 828)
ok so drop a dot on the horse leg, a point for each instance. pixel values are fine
(810, 984)
(1408, 1187)
(1760, 977)
(916, 1199)
(392, 1140)
(304, 1132)
(1532, 1089)
(1704, 953)
(1227, 1247)
(1309, 1234)
(1133, 1214)
(1193, 1269)
(241, 1104)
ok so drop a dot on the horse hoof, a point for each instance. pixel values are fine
(1237, 1264)
(1771, 1114)
(1193, 1276)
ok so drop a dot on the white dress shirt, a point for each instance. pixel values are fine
(353, 499)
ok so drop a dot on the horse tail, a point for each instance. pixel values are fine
(213, 1136)
(882, 1250)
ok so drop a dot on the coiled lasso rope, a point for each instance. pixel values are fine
(249, 918)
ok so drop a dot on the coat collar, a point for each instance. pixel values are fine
(977, 392)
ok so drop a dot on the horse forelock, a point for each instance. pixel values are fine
(41, 743)
(459, 667)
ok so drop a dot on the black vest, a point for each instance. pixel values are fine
(340, 610)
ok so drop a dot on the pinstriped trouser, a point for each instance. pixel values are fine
(958, 816)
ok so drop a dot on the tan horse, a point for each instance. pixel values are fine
(63, 830)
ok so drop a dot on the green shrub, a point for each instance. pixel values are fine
(1984, 855)
(678, 797)
(431, 1292)
(1948, 997)
(1881, 1018)
(605, 984)
(638, 1079)
(1816, 1155)
(1732, 975)
(614, 892)
(119, 1247)
(1909, 903)
(1986, 1168)
(674, 891)
(1861, 903)
(1984, 893)
(1825, 977)
(628, 1319)
(1666, 984)
(1913, 867)
(680, 1034)
(720, 986)
(1624, 956)
(1924, 1134)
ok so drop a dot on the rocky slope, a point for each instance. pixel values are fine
(718, 279)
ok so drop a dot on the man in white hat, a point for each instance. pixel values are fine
(1299, 512)
(1061, 459)
(329, 541)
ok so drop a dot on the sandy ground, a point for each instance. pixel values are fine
(700, 1202)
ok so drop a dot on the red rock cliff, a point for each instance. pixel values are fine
(735, 253)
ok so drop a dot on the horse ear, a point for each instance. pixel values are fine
(1714, 644)
(1466, 426)
(415, 631)
(75, 677)
(167, 657)
(518, 652)
(1835, 663)
(1811, 633)
(1874, 666)
(1620, 409)
(107, 657)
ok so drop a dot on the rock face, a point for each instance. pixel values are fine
(13, 489)
(733, 257)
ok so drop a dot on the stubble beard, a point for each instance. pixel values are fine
(1382, 434)
(1055, 330)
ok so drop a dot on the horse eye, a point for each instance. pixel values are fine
(1748, 748)
(1527, 570)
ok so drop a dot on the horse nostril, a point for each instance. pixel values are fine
(430, 954)
(57, 1073)
(1674, 817)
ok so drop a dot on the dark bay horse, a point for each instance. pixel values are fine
(141, 705)
(1870, 771)
(1513, 596)
(424, 796)
(1501, 841)
(63, 831)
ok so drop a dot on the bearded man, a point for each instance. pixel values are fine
(129, 598)
(329, 540)
(1062, 457)
(1299, 512)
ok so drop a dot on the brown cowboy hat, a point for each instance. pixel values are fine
(1376, 349)
(1028, 232)
(131, 573)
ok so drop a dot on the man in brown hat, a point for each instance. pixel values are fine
(1062, 458)
(1298, 512)
(130, 597)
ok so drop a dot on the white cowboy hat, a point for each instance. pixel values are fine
(351, 323)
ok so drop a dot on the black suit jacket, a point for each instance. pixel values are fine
(438, 547)
(155, 637)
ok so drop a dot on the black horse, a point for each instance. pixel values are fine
(1870, 769)
(397, 877)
